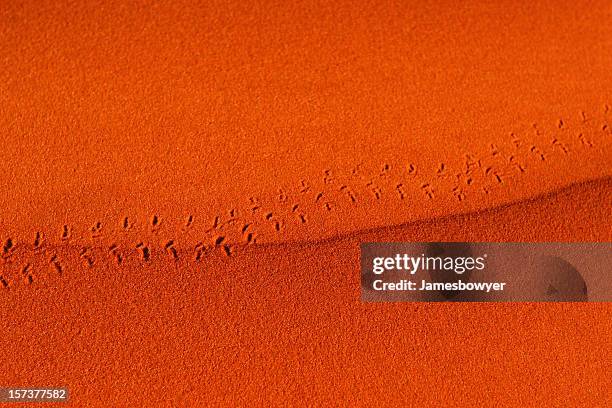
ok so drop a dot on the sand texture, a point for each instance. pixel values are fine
(184, 187)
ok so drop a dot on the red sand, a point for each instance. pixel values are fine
(283, 325)
(248, 129)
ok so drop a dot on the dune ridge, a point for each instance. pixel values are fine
(337, 202)
(583, 207)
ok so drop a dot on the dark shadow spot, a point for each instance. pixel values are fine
(562, 281)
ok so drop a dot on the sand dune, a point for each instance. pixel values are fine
(284, 324)
(184, 187)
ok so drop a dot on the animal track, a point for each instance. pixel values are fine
(560, 145)
(8, 246)
(516, 164)
(155, 221)
(26, 272)
(26, 269)
(56, 265)
(282, 197)
(86, 255)
(375, 190)
(114, 251)
(471, 174)
(144, 251)
(188, 223)
(171, 250)
(584, 141)
(199, 250)
(351, 196)
(255, 206)
(96, 229)
(38, 240)
(385, 170)
(304, 187)
(458, 193)
(400, 191)
(427, 190)
(537, 152)
(516, 142)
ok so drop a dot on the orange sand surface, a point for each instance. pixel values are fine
(184, 187)
(283, 324)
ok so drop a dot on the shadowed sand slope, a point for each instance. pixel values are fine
(285, 324)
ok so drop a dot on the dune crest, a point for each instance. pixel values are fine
(576, 213)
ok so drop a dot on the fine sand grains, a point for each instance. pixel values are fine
(184, 186)
(283, 323)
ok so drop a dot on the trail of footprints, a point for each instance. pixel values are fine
(478, 174)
